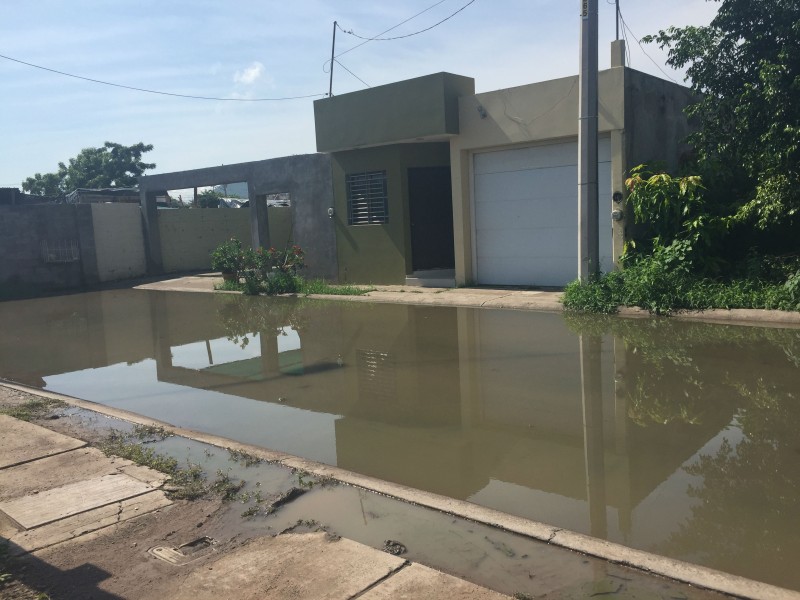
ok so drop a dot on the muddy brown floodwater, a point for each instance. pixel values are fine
(672, 437)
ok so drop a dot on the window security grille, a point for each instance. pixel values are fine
(367, 198)
(60, 251)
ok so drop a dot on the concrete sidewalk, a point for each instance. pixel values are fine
(58, 494)
(397, 294)
(498, 298)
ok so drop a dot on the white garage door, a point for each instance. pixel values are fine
(526, 214)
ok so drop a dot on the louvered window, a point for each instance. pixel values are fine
(367, 198)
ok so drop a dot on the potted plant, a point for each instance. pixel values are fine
(228, 258)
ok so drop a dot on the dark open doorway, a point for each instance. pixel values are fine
(431, 211)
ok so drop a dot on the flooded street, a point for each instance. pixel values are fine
(672, 437)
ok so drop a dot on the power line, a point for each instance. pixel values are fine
(137, 89)
(636, 39)
(351, 73)
(400, 37)
(422, 12)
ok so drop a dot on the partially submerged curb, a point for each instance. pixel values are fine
(508, 299)
(696, 575)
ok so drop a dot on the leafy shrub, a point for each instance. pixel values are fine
(229, 257)
(262, 270)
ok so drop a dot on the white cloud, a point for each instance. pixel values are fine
(250, 74)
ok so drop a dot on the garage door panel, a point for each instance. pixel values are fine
(522, 244)
(526, 214)
(529, 271)
(554, 212)
(520, 159)
(516, 185)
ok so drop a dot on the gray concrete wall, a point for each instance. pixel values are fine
(656, 129)
(306, 177)
(45, 248)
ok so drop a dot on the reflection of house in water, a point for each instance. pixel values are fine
(448, 400)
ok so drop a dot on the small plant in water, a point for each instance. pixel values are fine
(244, 458)
(226, 487)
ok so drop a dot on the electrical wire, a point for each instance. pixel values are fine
(367, 41)
(408, 35)
(627, 47)
(137, 89)
(351, 73)
(633, 35)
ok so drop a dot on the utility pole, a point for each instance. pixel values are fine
(588, 209)
(333, 58)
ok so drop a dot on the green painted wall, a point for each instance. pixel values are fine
(401, 111)
(380, 253)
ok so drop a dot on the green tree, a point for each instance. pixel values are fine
(745, 67)
(110, 165)
(208, 199)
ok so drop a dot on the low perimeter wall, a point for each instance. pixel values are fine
(52, 247)
(119, 241)
(189, 235)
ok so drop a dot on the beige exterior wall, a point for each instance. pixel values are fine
(642, 114)
(189, 235)
(119, 241)
(379, 253)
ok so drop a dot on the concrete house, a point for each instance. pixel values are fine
(432, 182)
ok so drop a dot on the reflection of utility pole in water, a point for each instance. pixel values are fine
(623, 464)
(269, 352)
(594, 448)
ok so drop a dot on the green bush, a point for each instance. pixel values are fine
(229, 257)
(649, 285)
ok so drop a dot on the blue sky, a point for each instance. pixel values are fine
(263, 49)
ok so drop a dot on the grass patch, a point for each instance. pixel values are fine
(663, 289)
(244, 458)
(36, 408)
(185, 483)
(320, 286)
(287, 284)
(229, 286)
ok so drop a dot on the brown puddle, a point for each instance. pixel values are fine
(677, 438)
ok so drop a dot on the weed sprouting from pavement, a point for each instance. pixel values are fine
(36, 408)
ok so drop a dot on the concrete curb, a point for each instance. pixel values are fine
(511, 299)
(696, 575)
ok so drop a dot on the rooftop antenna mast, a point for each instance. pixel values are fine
(617, 14)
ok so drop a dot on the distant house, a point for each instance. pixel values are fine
(14, 197)
(103, 195)
(112, 195)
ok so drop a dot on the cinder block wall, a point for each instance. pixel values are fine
(188, 236)
(43, 248)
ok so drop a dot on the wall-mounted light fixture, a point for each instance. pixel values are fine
(331, 212)
(617, 215)
(617, 197)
